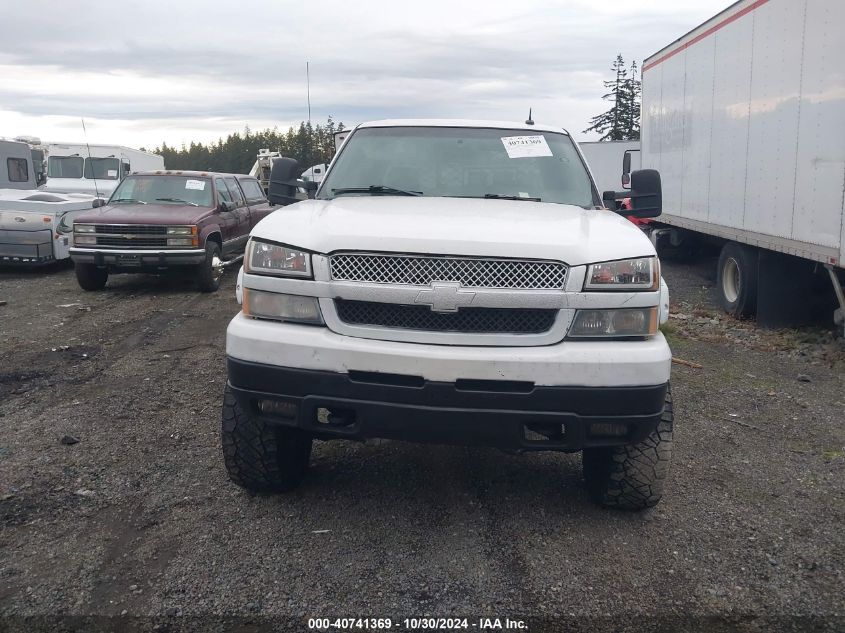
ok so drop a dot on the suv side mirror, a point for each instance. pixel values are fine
(284, 181)
(224, 206)
(126, 169)
(97, 203)
(646, 195)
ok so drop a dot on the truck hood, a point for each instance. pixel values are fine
(144, 214)
(456, 226)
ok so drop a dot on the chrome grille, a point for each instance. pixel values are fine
(130, 235)
(469, 272)
(466, 320)
(122, 241)
(135, 229)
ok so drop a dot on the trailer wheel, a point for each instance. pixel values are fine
(259, 456)
(737, 279)
(91, 277)
(632, 477)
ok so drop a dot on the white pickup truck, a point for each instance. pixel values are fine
(455, 282)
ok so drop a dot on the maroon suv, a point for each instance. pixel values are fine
(160, 221)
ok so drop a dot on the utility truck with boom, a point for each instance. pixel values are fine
(456, 282)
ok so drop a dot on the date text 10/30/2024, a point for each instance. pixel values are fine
(415, 624)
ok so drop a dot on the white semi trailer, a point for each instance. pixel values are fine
(604, 159)
(94, 169)
(744, 117)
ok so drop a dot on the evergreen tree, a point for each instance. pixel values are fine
(622, 121)
(310, 145)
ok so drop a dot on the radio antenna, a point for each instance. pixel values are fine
(91, 162)
(308, 97)
(529, 120)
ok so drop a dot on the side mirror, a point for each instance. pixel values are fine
(126, 169)
(310, 186)
(609, 200)
(646, 195)
(626, 170)
(283, 181)
(97, 203)
(224, 206)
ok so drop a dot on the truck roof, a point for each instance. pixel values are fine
(188, 172)
(505, 125)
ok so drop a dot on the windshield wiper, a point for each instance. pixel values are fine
(376, 190)
(194, 204)
(127, 200)
(498, 196)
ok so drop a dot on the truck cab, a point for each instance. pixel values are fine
(168, 221)
(458, 282)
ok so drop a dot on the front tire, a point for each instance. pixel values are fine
(209, 273)
(737, 280)
(259, 456)
(632, 477)
(91, 277)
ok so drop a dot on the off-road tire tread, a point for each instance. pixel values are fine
(91, 277)
(260, 456)
(632, 477)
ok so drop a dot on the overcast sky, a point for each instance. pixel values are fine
(143, 72)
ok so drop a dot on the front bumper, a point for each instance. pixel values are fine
(128, 259)
(510, 415)
(26, 248)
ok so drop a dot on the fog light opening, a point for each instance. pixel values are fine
(278, 408)
(544, 432)
(335, 417)
(608, 429)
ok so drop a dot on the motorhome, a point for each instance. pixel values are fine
(34, 225)
(94, 169)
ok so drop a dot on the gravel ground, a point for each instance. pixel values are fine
(136, 526)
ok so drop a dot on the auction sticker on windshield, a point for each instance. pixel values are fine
(199, 185)
(526, 146)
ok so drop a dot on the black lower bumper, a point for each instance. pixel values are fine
(504, 414)
(138, 260)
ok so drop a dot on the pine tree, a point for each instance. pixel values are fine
(622, 121)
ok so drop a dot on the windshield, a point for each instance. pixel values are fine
(461, 162)
(102, 168)
(175, 190)
(64, 167)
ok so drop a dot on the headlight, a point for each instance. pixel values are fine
(642, 273)
(619, 322)
(83, 228)
(84, 239)
(273, 259)
(181, 230)
(281, 307)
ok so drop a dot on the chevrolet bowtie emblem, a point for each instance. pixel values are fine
(445, 297)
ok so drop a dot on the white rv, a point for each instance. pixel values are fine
(34, 224)
(94, 169)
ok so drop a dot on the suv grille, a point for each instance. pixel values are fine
(130, 235)
(468, 320)
(469, 272)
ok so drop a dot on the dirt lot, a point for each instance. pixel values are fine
(136, 526)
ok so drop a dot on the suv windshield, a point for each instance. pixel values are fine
(175, 190)
(102, 168)
(461, 162)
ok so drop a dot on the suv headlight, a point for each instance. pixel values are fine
(84, 228)
(274, 259)
(642, 273)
